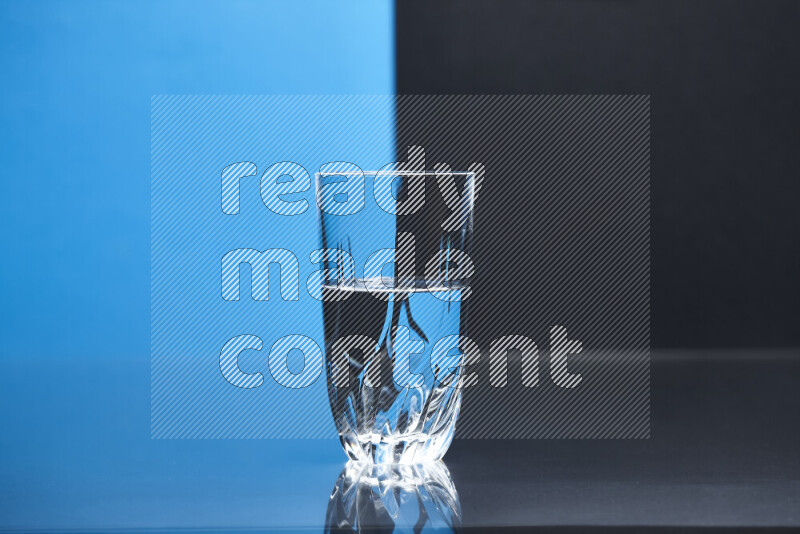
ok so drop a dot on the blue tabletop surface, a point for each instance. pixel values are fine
(77, 454)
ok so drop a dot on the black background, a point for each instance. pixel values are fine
(725, 134)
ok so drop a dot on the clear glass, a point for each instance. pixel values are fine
(393, 498)
(387, 301)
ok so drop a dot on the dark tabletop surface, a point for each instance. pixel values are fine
(724, 451)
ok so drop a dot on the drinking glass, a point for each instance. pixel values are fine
(396, 247)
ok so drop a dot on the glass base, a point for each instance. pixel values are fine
(400, 449)
(398, 498)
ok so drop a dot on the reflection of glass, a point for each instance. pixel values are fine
(396, 270)
(385, 498)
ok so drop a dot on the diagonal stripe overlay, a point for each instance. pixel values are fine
(561, 255)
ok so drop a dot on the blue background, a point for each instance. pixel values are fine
(75, 386)
(193, 139)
